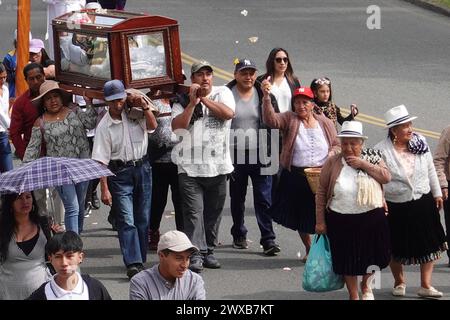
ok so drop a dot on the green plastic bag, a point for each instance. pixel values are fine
(318, 275)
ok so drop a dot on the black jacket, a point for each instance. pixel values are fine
(97, 290)
(262, 125)
(293, 86)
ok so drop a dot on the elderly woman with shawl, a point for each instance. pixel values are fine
(414, 199)
(349, 209)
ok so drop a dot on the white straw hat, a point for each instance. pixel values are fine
(397, 115)
(352, 129)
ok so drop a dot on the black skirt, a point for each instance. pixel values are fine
(417, 235)
(359, 243)
(294, 204)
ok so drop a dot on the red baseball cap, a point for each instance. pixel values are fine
(304, 91)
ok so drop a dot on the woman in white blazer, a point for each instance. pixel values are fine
(414, 199)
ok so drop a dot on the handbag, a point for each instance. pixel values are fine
(318, 275)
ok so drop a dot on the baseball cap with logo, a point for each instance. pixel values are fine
(304, 91)
(175, 241)
(113, 90)
(36, 45)
(244, 64)
(201, 64)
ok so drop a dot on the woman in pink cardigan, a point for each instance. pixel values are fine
(308, 140)
(349, 209)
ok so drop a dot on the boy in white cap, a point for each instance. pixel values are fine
(170, 279)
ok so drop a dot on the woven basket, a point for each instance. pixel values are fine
(312, 175)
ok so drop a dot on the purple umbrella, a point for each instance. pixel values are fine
(51, 172)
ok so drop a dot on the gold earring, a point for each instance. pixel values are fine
(395, 140)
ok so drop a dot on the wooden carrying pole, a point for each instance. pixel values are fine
(23, 43)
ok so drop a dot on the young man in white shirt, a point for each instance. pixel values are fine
(65, 251)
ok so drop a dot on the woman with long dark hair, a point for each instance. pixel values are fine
(282, 77)
(23, 235)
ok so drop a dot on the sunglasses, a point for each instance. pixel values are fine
(322, 81)
(285, 60)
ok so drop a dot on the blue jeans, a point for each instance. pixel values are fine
(131, 191)
(73, 196)
(6, 163)
(262, 186)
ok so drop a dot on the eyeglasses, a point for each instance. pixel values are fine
(322, 81)
(285, 60)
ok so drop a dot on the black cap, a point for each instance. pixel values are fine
(244, 64)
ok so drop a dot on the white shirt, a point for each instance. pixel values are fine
(310, 147)
(283, 95)
(55, 292)
(205, 145)
(120, 139)
(345, 193)
(4, 109)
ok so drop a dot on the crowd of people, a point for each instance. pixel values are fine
(378, 206)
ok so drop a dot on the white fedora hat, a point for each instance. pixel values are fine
(351, 129)
(397, 115)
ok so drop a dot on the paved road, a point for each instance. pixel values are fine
(404, 62)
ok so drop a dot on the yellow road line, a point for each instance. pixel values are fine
(227, 76)
(190, 60)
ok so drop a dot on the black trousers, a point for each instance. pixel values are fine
(163, 176)
(92, 187)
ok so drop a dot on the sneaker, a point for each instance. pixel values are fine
(88, 210)
(211, 262)
(196, 263)
(140, 267)
(240, 243)
(132, 270)
(271, 249)
(95, 201)
(429, 293)
(399, 291)
(153, 239)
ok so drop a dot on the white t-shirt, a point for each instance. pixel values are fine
(283, 95)
(204, 149)
(4, 109)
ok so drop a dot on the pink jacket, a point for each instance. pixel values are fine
(289, 123)
(329, 174)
